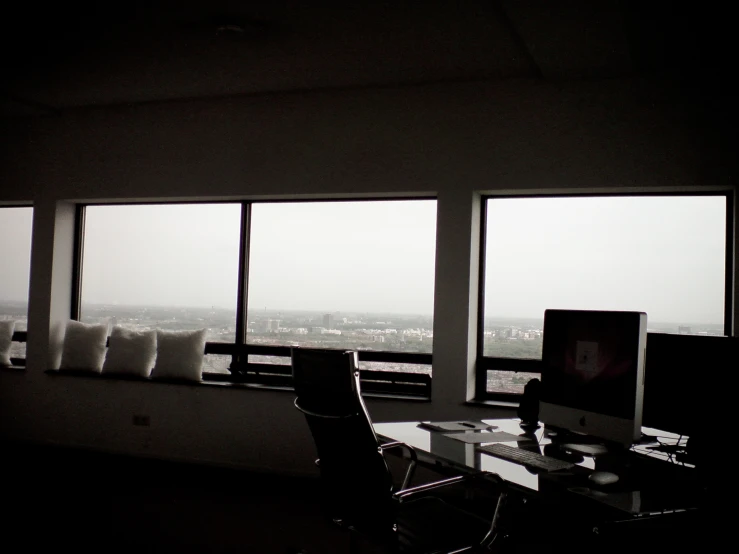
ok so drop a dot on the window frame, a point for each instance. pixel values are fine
(521, 365)
(270, 376)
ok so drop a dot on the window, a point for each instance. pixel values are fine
(351, 275)
(664, 255)
(15, 251)
(262, 277)
(163, 266)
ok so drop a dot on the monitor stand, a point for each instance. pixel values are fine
(581, 443)
(529, 426)
(588, 449)
(560, 436)
(609, 457)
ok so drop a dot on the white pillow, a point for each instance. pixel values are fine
(131, 352)
(6, 338)
(84, 346)
(179, 355)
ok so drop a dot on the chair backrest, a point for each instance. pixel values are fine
(355, 476)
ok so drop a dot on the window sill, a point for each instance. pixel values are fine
(206, 383)
(496, 403)
(133, 378)
(13, 368)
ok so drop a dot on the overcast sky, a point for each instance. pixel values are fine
(162, 255)
(662, 255)
(345, 256)
(15, 253)
(338, 256)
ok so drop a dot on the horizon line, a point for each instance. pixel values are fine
(343, 311)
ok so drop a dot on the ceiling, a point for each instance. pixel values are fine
(109, 53)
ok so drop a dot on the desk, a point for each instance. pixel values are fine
(651, 489)
(440, 448)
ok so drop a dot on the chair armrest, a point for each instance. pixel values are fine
(398, 444)
(411, 466)
(405, 495)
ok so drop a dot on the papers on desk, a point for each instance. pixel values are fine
(479, 438)
(447, 426)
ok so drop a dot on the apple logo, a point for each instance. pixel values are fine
(582, 421)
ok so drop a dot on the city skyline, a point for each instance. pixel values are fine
(489, 320)
(504, 337)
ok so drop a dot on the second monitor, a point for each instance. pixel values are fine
(687, 387)
(593, 373)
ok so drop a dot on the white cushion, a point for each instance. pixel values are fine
(84, 346)
(6, 338)
(180, 355)
(131, 352)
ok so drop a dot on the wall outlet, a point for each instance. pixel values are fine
(141, 420)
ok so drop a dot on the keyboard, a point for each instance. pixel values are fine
(526, 458)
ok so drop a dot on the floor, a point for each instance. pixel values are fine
(69, 500)
(83, 501)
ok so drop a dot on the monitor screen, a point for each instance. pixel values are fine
(592, 371)
(683, 384)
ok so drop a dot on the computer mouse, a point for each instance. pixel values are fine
(602, 477)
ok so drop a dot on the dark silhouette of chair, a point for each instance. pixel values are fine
(356, 481)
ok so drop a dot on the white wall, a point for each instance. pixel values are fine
(451, 141)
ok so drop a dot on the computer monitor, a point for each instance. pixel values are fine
(685, 387)
(592, 379)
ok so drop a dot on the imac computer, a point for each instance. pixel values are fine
(592, 379)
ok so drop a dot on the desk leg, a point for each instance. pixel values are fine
(492, 534)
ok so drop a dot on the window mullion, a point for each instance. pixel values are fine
(481, 372)
(729, 267)
(79, 250)
(243, 287)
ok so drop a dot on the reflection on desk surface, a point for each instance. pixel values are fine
(641, 503)
(465, 456)
(638, 492)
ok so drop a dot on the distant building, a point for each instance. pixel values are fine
(268, 326)
(328, 321)
(683, 330)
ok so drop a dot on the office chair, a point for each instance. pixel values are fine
(356, 480)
